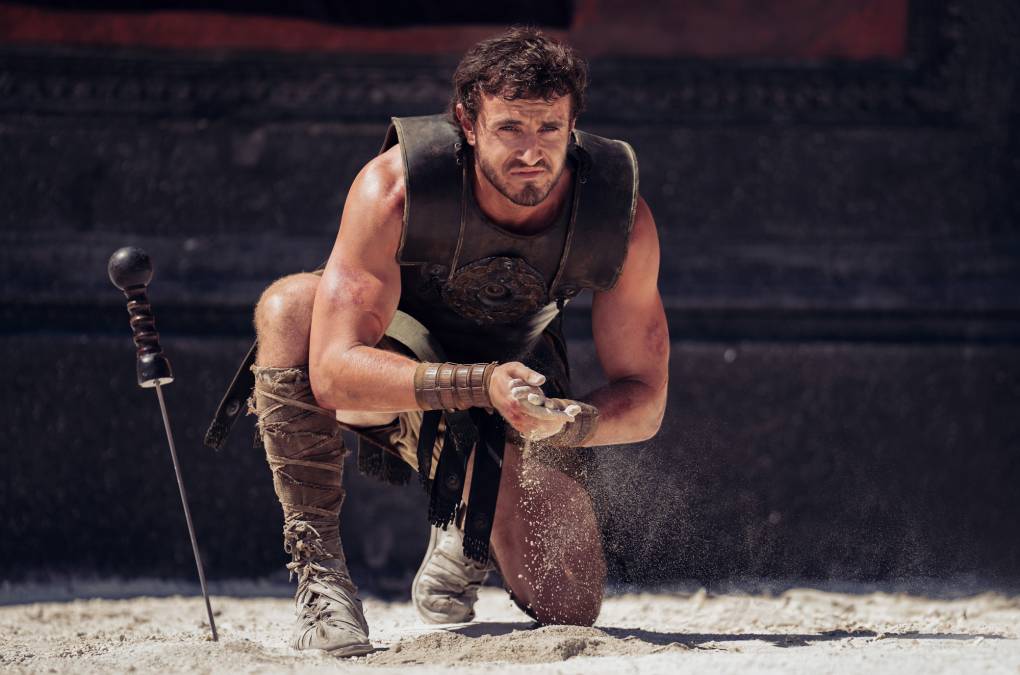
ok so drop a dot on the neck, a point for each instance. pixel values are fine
(522, 219)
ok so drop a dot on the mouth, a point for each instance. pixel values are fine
(527, 173)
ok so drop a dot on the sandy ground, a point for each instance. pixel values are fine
(797, 630)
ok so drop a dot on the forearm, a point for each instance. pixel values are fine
(630, 411)
(367, 379)
(363, 378)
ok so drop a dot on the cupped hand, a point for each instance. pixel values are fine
(515, 392)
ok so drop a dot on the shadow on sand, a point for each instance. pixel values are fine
(695, 640)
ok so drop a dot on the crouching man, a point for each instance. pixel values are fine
(433, 332)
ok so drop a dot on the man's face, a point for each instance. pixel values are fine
(521, 146)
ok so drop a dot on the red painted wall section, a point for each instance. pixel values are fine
(779, 29)
(798, 30)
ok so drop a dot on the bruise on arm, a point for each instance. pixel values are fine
(632, 343)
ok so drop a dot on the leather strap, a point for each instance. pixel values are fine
(448, 486)
(484, 484)
(427, 434)
(233, 402)
(574, 434)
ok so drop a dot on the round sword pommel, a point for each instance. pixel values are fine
(131, 271)
(130, 267)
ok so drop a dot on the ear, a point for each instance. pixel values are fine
(466, 125)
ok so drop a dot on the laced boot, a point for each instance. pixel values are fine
(305, 450)
(445, 588)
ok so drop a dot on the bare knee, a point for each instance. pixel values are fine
(570, 616)
(547, 542)
(283, 320)
(559, 598)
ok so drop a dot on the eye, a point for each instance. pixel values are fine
(548, 129)
(508, 127)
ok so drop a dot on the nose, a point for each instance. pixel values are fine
(531, 155)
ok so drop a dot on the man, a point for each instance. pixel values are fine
(433, 333)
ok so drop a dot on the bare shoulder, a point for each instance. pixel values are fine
(374, 210)
(643, 233)
(382, 179)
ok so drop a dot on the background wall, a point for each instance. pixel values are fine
(840, 226)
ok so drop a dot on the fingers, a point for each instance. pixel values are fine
(542, 412)
(526, 397)
(532, 401)
(522, 372)
(519, 389)
(565, 405)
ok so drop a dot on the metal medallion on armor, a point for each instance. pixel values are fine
(498, 289)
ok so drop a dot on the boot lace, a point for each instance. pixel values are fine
(308, 551)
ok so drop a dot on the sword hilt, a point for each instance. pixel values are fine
(131, 271)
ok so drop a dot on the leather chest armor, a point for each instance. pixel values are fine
(486, 293)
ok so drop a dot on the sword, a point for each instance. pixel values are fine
(131, 271)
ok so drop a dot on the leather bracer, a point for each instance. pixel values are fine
(453, 386)
(575, 433)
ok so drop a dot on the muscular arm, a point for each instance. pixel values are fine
(357, 298)
(632, 343)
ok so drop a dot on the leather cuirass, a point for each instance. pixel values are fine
(487, 293)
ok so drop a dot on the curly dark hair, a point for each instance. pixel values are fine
(520, 63)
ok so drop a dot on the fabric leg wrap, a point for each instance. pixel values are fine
(305, 451)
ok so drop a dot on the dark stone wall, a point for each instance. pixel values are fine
(840, 266)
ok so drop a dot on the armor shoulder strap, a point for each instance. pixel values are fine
(606, 194)
(433, 177)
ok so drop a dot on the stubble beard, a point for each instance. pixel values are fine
(529, 195)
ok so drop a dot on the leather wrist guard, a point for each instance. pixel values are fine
(575, 433)
(453, 386)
